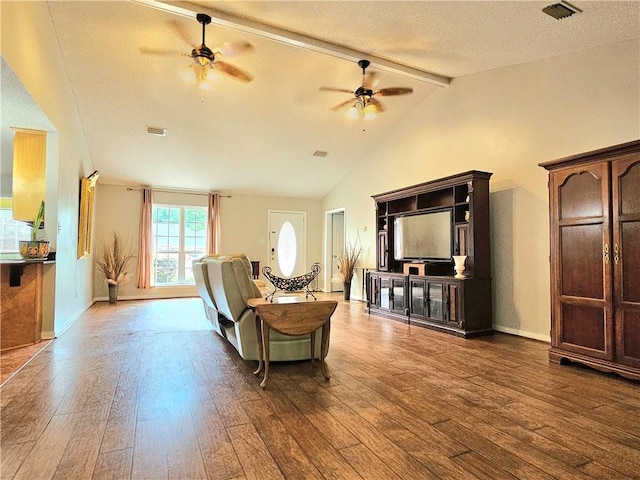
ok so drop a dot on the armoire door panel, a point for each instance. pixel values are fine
(628, 176)
(580, 196)
(629, 338)
(582, 272)
(625, 179)
(629, 261)
(584, 326)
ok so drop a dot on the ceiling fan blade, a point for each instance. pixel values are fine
(343, 104)
(380, 106)
(233, 49)
(332, 89)
(156, 51)
(235, 72)
(179, 29)
(388, 92)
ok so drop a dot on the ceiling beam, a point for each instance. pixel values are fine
(295, 39)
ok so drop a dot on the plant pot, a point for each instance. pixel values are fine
(346, 291)
(113, 294)
(34, 249)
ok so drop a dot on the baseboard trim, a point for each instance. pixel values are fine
(49, 335)
(522, 333)
(157, 296)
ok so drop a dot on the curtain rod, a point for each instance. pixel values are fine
(182, 192)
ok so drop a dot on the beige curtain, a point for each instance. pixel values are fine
(213, 224)
(145, 245)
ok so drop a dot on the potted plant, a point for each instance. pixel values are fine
(347, 265)
(112, 261)
(35, 248)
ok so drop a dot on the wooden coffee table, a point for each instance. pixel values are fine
(292, 316)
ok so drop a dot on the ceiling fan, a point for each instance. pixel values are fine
(206, 61)
(365, 104)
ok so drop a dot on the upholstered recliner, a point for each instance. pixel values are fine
(226, 286)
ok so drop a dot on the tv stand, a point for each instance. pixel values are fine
(427, 293)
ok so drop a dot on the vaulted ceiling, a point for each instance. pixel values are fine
(260, 137)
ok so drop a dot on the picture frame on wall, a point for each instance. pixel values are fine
(85, 218)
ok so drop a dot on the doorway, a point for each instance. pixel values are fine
(287, 243)
(334, 247)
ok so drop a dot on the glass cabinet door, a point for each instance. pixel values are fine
(398, 294)
(417, 291)
(435, 301)
(385, 292)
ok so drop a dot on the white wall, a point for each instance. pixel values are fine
(244, 221)
(506, 121)
(28, 45)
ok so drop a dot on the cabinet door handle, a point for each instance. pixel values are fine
(616, 254)
(606, 253)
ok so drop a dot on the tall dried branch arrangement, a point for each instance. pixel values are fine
(113, 259)
(348, 260)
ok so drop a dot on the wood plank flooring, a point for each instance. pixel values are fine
(145, 390)
(13, 360)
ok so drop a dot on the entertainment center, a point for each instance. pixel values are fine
(420, 229)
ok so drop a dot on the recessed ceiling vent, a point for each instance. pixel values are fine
(160, 132)
(560, 10)
(320, 153)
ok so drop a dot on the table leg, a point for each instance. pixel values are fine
(326, 330)
(260, 351)
(265, 343)
(312, 336)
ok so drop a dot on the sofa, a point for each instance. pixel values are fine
(224, 282)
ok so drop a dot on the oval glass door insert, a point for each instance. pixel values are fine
(287, 249)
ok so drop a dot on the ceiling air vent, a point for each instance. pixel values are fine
(560, 10)
(161, 132)
(320, 153)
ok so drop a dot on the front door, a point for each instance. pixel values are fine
(287, 243)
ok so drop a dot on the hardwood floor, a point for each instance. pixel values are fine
(145, 389)
(13, 360)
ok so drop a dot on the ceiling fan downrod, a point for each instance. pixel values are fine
(362, 91)
(203, 54)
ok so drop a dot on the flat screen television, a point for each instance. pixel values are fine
(425, 236)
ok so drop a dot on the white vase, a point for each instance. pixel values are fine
(459, 265)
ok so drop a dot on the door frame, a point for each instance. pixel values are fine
(328, 240)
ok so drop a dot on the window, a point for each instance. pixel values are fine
(179, 238)
(12, 231)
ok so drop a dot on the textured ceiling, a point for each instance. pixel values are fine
(259, 138)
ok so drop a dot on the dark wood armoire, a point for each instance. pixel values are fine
(594, 203)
